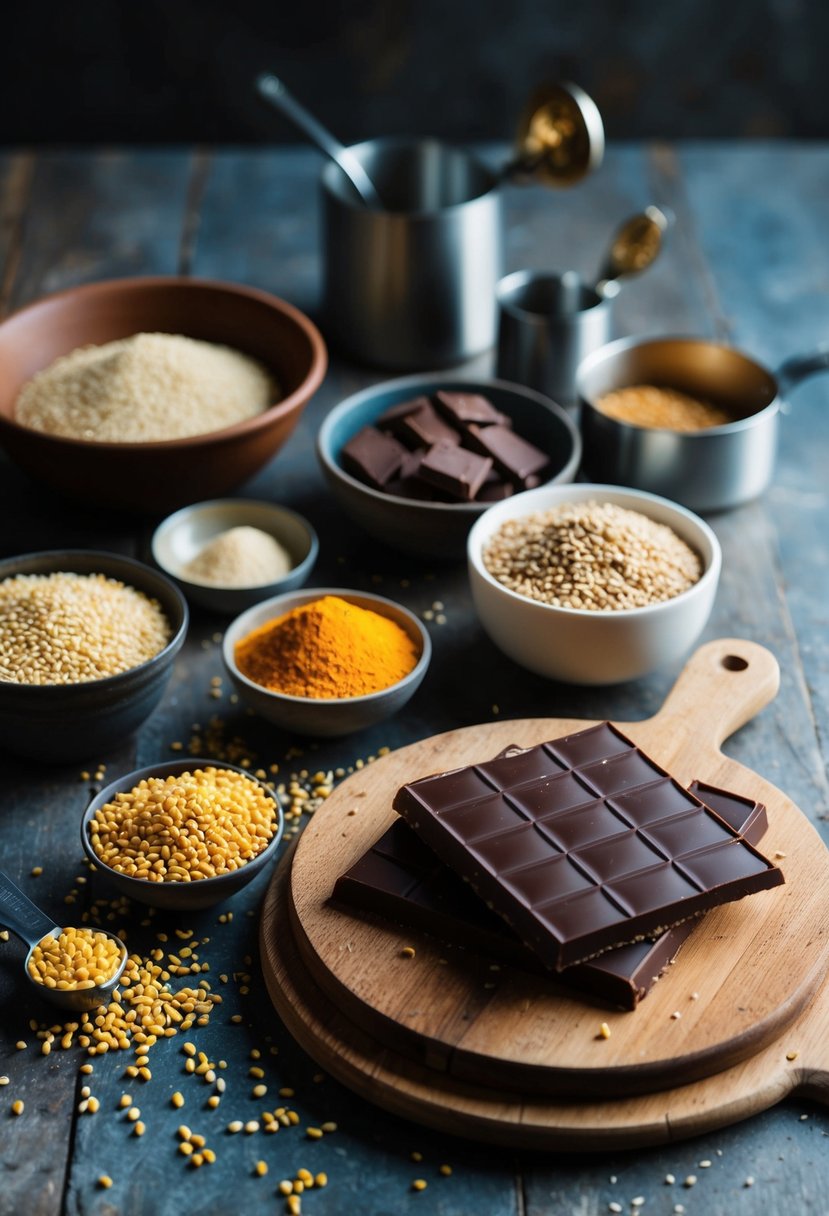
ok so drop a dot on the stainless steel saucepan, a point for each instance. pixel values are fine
(709, 469)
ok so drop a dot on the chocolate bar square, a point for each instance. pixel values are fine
(462, 409)
(513, 456)
(453, 469)
(373, 456)
(611, 878)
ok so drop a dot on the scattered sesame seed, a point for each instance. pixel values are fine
(691, 1180)
(792, 1055)
(749, 1181)
(669, 1180)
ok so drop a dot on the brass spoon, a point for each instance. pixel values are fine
(635, 247)
(560, 137)
(26, 921)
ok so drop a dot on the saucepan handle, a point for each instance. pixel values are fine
(800, 367)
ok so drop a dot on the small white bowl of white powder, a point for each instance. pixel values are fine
(229, 554)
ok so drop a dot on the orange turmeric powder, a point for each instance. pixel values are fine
(327, 649)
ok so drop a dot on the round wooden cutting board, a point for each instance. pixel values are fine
(441, 1038)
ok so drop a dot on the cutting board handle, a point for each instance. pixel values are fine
(721, 687)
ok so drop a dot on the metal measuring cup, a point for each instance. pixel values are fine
(31, 925)
(548, 323)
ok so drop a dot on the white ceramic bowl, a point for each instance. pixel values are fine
(580, 646)
(335, 716)
(179, 537)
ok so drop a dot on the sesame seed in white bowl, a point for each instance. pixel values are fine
(592, 584)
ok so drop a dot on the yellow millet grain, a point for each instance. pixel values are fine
(65, 628)
(75, 959)
(184, 828)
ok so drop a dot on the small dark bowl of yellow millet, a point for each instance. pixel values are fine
(183, 834)
(87, 643)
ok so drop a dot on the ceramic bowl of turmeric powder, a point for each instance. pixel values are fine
(326, 661)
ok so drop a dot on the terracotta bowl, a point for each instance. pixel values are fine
(160, 476)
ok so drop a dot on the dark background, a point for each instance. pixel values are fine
(146, 71)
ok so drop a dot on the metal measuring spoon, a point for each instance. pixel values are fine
(26, 921)
(273, 90)
(636, 246)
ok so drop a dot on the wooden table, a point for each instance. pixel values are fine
(748, 263)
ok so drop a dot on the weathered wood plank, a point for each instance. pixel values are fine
(250, 216)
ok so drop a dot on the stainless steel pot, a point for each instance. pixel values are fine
(706, 470)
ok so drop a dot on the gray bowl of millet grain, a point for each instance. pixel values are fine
(78, 720)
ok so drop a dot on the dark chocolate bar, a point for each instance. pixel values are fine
(373, 456)
(583, 844)
(457, 471)
(513, 456)
(400, 878)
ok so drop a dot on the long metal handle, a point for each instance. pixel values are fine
(800, 367)
(18, 913)
(274, 90)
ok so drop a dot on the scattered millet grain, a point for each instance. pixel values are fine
(18, 1107)
(105, 1182)
(65, 628)
(592, 556)
(184, 828)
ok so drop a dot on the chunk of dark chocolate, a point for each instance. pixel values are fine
(424, 427)
(391, 418)
(454, 469)
(495, 488)
(513, 456)
(401, 879)
(462, 409)
(583, 843)
(373, 456)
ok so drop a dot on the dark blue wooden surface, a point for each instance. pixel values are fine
(748, 262)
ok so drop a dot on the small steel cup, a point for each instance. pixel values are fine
(547, 323)
(412, 286)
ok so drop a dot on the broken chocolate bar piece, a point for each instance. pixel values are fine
(373, 456)
(513, 456)
(583, 844)
(391, 418)
(424, 427)
(462, 409)
(401, 879)
(457, 471)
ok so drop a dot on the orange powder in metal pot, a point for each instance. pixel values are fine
(327, 649)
